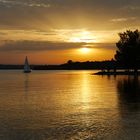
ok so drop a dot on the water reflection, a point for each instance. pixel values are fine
(85, 91)
(26, 84)
(129, 107)
(129, 90)
(67, 105)
(129, 94)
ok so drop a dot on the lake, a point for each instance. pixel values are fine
(68, 105)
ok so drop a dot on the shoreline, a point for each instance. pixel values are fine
(117, 73)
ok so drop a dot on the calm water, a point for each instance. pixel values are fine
(68, 105)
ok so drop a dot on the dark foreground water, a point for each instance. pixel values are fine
(68, 105)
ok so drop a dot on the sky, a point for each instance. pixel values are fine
(55, 31)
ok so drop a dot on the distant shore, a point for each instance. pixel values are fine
(70, 65)
(108, 67)
(117, 73)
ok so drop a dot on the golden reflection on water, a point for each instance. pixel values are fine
(85, 91)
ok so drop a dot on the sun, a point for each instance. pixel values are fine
(84, 50)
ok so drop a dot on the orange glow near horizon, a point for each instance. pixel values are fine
(57, 57)
(56, 47)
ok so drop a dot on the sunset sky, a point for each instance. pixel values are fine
(54, 31)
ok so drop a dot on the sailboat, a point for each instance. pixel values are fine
(27, 68)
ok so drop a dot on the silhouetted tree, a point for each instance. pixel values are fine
(128, 52)
(69, 62)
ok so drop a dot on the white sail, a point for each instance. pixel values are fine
(27, 66)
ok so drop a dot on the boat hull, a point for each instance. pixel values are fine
(27, 71)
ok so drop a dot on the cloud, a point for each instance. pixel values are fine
(35, 46)
(106, 46)
(62, 35)
(131, 7)
(3, 33)
(123, 19)
(24, 3)
(66, 14)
